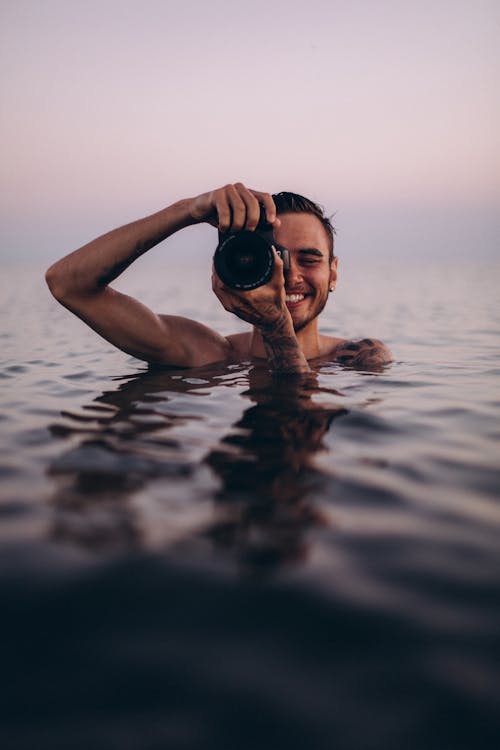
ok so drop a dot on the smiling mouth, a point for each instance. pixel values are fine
(293, 298)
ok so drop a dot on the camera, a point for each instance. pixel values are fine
(245, 260)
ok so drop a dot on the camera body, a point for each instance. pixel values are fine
(245, 260)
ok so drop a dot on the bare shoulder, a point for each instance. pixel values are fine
(361, 353)
(191, 344)
(240, 343)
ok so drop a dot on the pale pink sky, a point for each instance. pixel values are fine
(112, 109)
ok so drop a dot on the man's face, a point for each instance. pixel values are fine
(308, 280)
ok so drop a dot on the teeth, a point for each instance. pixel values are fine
(294, 297)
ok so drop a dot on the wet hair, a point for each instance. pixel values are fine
(293, 203)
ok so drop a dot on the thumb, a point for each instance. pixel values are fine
(278, 271)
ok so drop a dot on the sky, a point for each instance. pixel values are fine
(387, 113)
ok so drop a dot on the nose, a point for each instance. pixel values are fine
(293, 275)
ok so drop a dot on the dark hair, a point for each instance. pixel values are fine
(293, 203)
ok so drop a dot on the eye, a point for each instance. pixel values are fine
(309, 262)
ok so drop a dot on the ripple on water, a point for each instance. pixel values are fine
(9, 470)
(368, 427)
(17, 368)
(33, 437)
(68, 393)
(83, 375)
(95, 458)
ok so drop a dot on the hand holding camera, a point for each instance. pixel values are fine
(262, 306)
(248, 267)
(233, 208)
(245, 259)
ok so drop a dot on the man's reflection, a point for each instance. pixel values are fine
(130, 444)
(265, 505)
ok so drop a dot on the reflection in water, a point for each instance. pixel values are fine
(132, 438)
(265, 504)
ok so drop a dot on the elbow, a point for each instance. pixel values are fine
(55, 282)
(51, 279)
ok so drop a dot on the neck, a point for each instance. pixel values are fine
(308, 340)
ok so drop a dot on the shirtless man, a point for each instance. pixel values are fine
(283, 313)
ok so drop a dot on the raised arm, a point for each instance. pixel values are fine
(80, 281)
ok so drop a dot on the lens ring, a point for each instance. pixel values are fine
(244, 260)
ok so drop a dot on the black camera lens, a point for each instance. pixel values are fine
(244, 260)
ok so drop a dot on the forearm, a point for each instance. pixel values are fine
(282, 348)
(96, 264)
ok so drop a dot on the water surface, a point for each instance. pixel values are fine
(217, 558)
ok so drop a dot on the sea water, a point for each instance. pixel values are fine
(218, 558)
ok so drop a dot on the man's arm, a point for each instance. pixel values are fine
(80, 281)
(282, 348)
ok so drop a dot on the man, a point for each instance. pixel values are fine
(283, 313)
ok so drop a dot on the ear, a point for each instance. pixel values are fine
(333, 272)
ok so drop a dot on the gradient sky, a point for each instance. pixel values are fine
(388, 113)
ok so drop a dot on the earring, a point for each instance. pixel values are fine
(332, 288)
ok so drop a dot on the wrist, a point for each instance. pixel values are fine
(280, 327)
(183, 212)
(199, 211)
(283, 351)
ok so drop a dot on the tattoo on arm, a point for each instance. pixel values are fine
(364, 353)
(283, 351)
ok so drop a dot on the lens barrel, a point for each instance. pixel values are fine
(244, 260)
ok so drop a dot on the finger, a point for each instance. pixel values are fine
(278, 261)
(218, 286)
(211, 211)
(238, 209)
(267, 201)
(218, 289)
(278, 276)
(213, 219)
(223, 210)
(252, 206)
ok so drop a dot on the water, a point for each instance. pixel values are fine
(215, 558)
